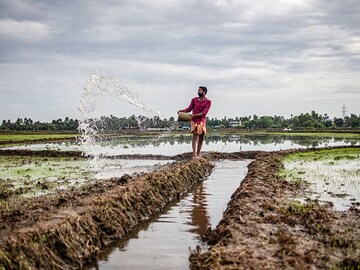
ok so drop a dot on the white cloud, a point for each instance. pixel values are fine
(262, 55)
(353, 46)
(24, 30)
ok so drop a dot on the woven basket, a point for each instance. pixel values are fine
(184, 117)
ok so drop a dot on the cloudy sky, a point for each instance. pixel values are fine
(277, 57)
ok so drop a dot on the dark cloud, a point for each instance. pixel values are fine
(259, 50)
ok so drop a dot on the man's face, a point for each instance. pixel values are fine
(200, 92)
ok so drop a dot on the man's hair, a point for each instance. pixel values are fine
(204, 89)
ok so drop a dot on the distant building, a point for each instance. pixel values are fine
(235, 123)
(185, 127)
(157, 129)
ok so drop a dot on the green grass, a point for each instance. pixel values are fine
(345, 135)
(31, 137)
(300, 208)
(331, 154)
(293, 176)
(38, 174)
(331, 175)
(337, 134)
(16, 167)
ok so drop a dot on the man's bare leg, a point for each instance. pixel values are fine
(200, 142)
(195, 140)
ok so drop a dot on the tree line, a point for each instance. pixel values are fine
(29, 124)
(312, 120)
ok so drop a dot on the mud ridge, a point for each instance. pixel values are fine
(67, 233)
(213, 155)
(54, 153)
(260, 229)
(264, 228)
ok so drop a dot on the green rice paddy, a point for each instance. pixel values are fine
(39, 175)
(331, 175)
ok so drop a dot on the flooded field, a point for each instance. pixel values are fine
(123, 192)
(333, 175)
(35, 176)
(173, 145)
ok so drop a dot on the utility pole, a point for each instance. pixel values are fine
(344, 110)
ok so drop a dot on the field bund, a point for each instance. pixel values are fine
(264, 227)
(68, 230)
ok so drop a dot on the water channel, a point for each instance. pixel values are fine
(164, 241)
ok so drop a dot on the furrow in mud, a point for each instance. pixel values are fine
(263, 228)
(67, 233)
(260, 229)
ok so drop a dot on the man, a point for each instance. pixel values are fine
(200, 107)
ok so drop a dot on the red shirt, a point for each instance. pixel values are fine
(197, 106)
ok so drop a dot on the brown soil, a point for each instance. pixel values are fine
(68, 229)
(263, 228)
(54, 153)
(40, 153)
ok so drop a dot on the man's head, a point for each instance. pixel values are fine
(202, 91)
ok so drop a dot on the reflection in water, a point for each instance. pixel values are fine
(174, 145)
(199, 214)
(244, 139)
(164, 241)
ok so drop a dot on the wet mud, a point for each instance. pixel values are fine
(265, 228)
(40, 153)
(67, 229)
(79, 154)
(262, 228)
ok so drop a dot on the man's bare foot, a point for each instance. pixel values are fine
(196, 157)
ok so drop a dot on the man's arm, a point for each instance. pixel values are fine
(197, 114)
(207, 108)
(188, 109)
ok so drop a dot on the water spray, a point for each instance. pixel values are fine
(96, 88)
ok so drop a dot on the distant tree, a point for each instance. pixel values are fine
(339, 122)
(4, 125)
(19, 124)
(352, 121)
(112, 123)
(306, 121)
(315, 116)
(328, 123)
(264, 122)
(278, 121)
(308, 124)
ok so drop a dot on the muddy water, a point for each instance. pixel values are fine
(36, 176)
(164, 241)
(181, 144)
(335, 181)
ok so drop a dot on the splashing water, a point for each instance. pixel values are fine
(96, 88)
